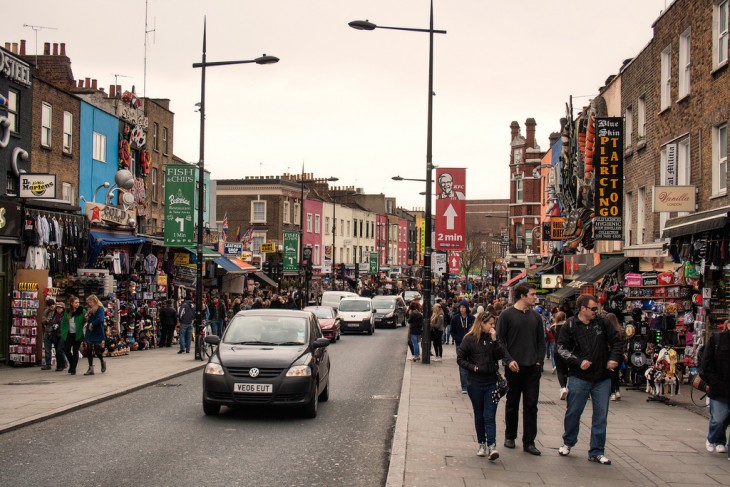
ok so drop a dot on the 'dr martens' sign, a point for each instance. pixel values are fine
(37, 185)
(609, 166)
(14, 69)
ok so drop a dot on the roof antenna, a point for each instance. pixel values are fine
(36, 28)
(146, 32)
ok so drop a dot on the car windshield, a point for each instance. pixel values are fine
(322, 313)
(356, 305)
(266, 330)
(383, 303)
(412, 294)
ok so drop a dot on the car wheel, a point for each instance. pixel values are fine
(333, 339)
(310, 410)
(339, 335)
(211, 409)
(325, 395)
(370, 330)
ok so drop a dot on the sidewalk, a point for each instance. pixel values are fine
(30, 394)
(649, 443)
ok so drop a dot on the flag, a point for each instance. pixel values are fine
(247, 237)
(238, 234)
(225, 227)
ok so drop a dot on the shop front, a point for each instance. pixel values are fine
(10, 233)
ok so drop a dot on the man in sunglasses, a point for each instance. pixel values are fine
(592, 348)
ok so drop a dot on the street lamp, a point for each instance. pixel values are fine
(366, 25)
(201, 172)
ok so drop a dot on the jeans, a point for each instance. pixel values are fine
(71, 348)
(578, 392)
(485, 412)
(550, 352)
(415, 339)
(438, 346)
(186, 335)
(719, 415)
(54, 342)
(525, 383)
(216, 326)
(447, 334)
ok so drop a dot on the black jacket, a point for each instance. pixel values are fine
(415, 322)
(597, 342)
(716, 366)
(522, 335)
(168, 317)
(482, 355)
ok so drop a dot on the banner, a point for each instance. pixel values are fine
(37, 185)
(450, 229)
(291, 249)
(609, 175)
(373, 267)
(673, 198)
(179, 204)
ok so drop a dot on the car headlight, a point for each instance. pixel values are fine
(328, 327)
(299, 371)
(388, 315)
(214, 369)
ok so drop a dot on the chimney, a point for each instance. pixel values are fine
(530, 132)
(119, 91)
(514, 129)
(553, 137)
(63, 49)
(46, 48)
(55, 49)
(22, 47)
(7, 46)
(112, 91)
(15, 48)
(87, 83)
(93, 83)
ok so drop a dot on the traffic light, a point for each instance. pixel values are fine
(357, 270)
(266, 267)
(342, 271)
(279, 268)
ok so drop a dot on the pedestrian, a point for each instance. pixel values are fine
(550, 344)
(72, 325)
(616, 373)
(447, 322)
(236, 306)
(592, 348)
(95, 333)
(437, 328)
(217, 316)
(522, 334)
(461, 322)
(53, 339)
(168, 321)
(415, 329)
(479, 354)
(716, 373)
(559, 367)
(186, 316)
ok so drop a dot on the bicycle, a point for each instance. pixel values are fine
(204, 350)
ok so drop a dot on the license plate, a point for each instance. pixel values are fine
(353, 325)
(253, 388)
(378, 319)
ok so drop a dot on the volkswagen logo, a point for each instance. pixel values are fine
(254, 372)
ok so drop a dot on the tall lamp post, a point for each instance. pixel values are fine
(201, 173)
(365, 25)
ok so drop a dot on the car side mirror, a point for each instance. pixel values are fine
(320, 342)
(212, 339)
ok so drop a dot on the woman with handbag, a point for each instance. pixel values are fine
(415, 328)
(94, 333)
(437, 328)
(71, 332)
(479, 354)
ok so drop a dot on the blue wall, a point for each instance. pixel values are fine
(93, 173)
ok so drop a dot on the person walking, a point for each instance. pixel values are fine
(616, 373)
(95, 333)
(479, 354)
(716, 373)
(53, 337)
(559, 365)
(217, 316)
(415, 328)
(592, 348)
(72, 325)
(186, 317)
(168, 321)
(437, 328)
(461, 322)
(521, 332)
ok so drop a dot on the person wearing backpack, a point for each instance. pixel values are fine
(592, 348)
(716, 373)
(186, 316)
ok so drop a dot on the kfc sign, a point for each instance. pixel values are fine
(450, 209)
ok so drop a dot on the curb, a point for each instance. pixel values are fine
(397, 465)
(96, 400)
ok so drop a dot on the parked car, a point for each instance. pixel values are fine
(409, 296)
(268, 356)
(356, 314)
(332, 298)
(329, 323)
(389, 311)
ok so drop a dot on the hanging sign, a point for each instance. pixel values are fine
(179, 204)
(232, 248)
(373, 264)
(671, 175)
(609, 167)
(291, 250)
(37, 185)
(450, 208)
(673, 198)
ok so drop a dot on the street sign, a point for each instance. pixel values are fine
(179, 204)
(454, 263)
(438, 262)
(450, 209)
(291, 249)
(267, 248)
(373, 268)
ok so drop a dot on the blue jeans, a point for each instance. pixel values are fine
(415, 341)
(216, 326)
(447, 334)
(719, 415)
(550, 352)
(186, 335)
(54, 341)
(578, 392)
(485, 412)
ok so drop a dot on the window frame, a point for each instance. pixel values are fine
(629, 215)
(665, 79)
(255, 210)
(720, 37)
(164, 141)
(317, 223)
(297, 213)
(519, 190)
(155, 134)
(309, 223)
(641, 117)
(68, 121)
(46, 124)
(640, 215)
(684, 63)
(67, 193)
(719, 185)
(98, 147)
(628, 126)
(153, 183)
(13, 110)
(286, 214)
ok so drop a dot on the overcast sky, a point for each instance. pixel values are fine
(346, 103)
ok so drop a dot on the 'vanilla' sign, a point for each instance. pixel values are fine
(673, 198)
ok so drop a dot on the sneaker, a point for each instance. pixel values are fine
(482, 452)
(563, 393)
(554, 369)
(720, 449)
(618, 396)
(564, 451)
(493, 453)
(710, 447)
(464, 391)
(613, 397)
(602, 459)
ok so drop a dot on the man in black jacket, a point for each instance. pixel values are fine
(716, 373)
(168, 320)
(592, 348)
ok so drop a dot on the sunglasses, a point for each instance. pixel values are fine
(594, 309)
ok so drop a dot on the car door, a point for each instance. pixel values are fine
(321, 359)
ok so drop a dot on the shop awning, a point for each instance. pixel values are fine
(650, 250)
(696, 222)
(515, 279)
(562, 294)
(543, 269)
(97, 240)
(234, 265)
(261, 277)
(208, 253)
(591, 276)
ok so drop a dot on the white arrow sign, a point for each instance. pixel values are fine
(453, 262)
(450, 214)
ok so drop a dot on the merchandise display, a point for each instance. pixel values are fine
(24, 330)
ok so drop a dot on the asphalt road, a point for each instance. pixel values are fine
(159, 435)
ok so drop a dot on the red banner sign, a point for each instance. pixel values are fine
(450, 228)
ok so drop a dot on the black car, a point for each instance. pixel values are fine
(389, 311)
(269, 357)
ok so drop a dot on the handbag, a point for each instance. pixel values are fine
(501, 390)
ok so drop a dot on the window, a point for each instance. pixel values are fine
(309, 222)
(317, 223)
(518, 236)
(326, 225)
(719, 34)
(258, 211)
(164, 140)
(99, 147)
(628, 212)
(256, 243)
(719, 160)
(641, 117)
(297, 214)
(68, 119)
(316, 255)
(684, 168)
(153, 183)
(628, 126)
(155, 142)
(354, 228)
(518, 190)
(13, 182)
(665, 84)
(287, 215)
(342, 227)
(46, 115)
(67, 193)
(684, 63)
(641, 216)
(348, 228)
(13, 110)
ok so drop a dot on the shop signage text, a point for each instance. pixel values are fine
(179, 204)
(232, 248)
(450, 209)
(373, 264)
(10, 214)
(14, 69)
(37, 185)
(609, 174)
(671, 176)
(267, 248)
(673, 198)
(291, 251)
(116, 215)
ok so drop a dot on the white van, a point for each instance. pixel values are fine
(332, 298)
(356, 314)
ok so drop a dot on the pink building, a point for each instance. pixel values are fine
(313, 228)
(402, 241)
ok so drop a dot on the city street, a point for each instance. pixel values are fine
(159, 435)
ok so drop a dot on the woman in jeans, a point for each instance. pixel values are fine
(616, 373)
(71, 334)
(559, 364)
(479, 354)
(95, 333)
(415, 328)
(437, 328)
